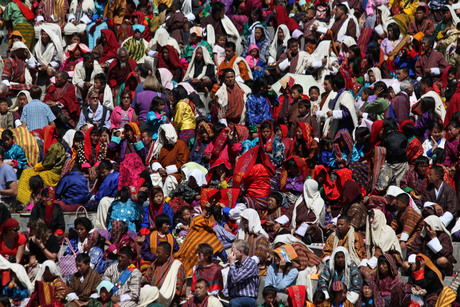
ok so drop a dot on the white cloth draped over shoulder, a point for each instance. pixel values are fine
(274, 45)
(380, 235)
(222, 100)
(313, 201)
(191, 67)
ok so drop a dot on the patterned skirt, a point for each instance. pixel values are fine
(186, 135)
(28, 33)
(50, 178)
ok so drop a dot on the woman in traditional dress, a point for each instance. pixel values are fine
(205, 136)
(72, 56)
(304, 144)
(49, 169)
(124, 209)
(184, 113)
(21, 18)
(201, 70)
(50, 273)
(118, 238)
(169, 59)
(279, 43)
(386, 277)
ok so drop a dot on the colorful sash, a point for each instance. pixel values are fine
(28, 14)
(154, 241)
(123, 278)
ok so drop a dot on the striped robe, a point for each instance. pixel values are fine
(359, 245)
(201, 231)
(409, 222)
(259, 247)
(15, 71)
(135, 48)
(156, 274)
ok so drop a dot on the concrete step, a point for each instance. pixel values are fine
(69, 217)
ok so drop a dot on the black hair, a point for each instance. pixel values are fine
(306, 103)
(35, 92)
(216, 212)
(298, 88)
(83, 257)
(277, 196)
(345, 218)
(101, 77)
(357, 59)
(165, 246)
(83, 221)
(162, 219)
(429, 40)
(88, 56)
(155, 103)
(389, 125)
(217, 6)
(230, 45)
(105, 165)
(148, 131)
(319, 295)
(289, 163)
(396, 32)
(154, 191)
(427, 105)
(78, 137)
(206, 250)
(343, 7)
(203, 280)
(314, 88)
(427, 80)
(218, 127)
(3, 100)
(258, 84)
(227, 70)
(404, 70)
(126, 250)
(325, 141)
(385, 93)
(36, 183)
(95, 130)
(104, 129)
(439, 155)
(404, 198)
(266, 124)
(437, 125)
(421, 160)
(438, 170)
(123, 194)
(292, 41)
(269, 290)
(421, 9)
(369, 91)
(338, 81)
(373, 51)
(7, 133)
(255, 10)
(409, 130)
(5, 301)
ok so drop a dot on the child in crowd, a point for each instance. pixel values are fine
(325, 153)
(306, 116)
(105, 296)
(367, 97)
(269, 295)
(219, 50)
(13, 152)
(6, 117)
(14, 289)
(435, 140)
(182, 221)
(253, 56)
(162, 234)
(313, 93)
(157, 116)
(293, 109)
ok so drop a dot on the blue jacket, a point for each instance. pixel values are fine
(166, 210)
(108, 187)
(16, 153)
(73, 188)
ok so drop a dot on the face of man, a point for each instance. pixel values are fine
(238, 254)
(45, 38)
(401, 75)
(229, 79)
(162, 255)
(229, 53)
(419, 16)
(123, 59)
(60, 80)
(123, 261)
(342, 227)
(82, 267)
(294, 47)
(339, 13)
(426, 47)
(89, 63)
(137, 35)
(201, 290)
(432, 176)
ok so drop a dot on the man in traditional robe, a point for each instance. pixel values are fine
(345, 236)
(430, 63)
(293, 61)
(167, 274)
(115, 12)
(15, 73)
(408, 223)
(238, 64)
(119, 70)
(126, 278)
(343, 24)
(421, 23)
(442, 196)
(83, 285)
(231, 99)
(201, 297)
(136, 45)
(84, 73)
(62, 99)
(426, 90)
(401, 103)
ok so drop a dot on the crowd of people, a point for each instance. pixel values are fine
(289, 153)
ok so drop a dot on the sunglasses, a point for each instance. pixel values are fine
(15, 229)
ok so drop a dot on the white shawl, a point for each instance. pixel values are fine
(222, 99)
(274, 45)
(15, 106)
(52, 266)
(320, 52)
(435, 223)
(170, 137)
(439, 105)
(87, 5)
(168, 289)
(191, 67)
(343, 29)
(148, 295)
(254, 225)
(161, 39)
(386, 17)
(20, 272)
(351, 296)
(46, 56)
(395, 191)
(232, 34)
(380, 235)
(346, 100)
(313, 201)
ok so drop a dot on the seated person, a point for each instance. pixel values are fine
(130, 142)
(425, 279)
(126, 277)
(207, 269)
(72, 189)
(83, 285)
(162, 234)
(190, 189)
(123, 208)
(49, 273)
(157, 206)
(341, 268)
(46, 209)
(413, 180)
(94, 113)
(108, 187)
(104, 291)
(13, 152)
(12, 242)
(201, 295)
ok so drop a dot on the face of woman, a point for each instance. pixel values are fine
(280, 35)
(245, 223)
(45, 38)
(272, 203)
(165, 54)
(94, 138)
(367, 291)
(82, 232)
(75, 39)
(158, 198)
(47, 276)
(383, 268)
(390, 33)
(199, 55)
(22, 100)
(12, 234)
(371, 77)
(266, 132)
(105, 137)
(205, 136)
(258, 34)
(77, 53)
(436, 134)
(125, 102)
(299, 134)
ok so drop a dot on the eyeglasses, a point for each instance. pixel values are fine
(15, 229)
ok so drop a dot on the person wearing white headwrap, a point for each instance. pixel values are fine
(259, 36)
(49, 51)
(168, 155)
(341, 268)
(15, 69)
(385, 16)
(380, 238)
(251, 231)
(80, 12)
(279, 43)
(20, 272)
(324, 60)
(190, 189)
(201, 70)
(435, 242)
(148, 296)
(50, 273)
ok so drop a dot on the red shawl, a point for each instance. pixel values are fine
(28, 14)
(111, 47)
(247, 161)
(375, 130)
(287, 141)
(445, 76)
(269, 143)
(214, 166)
(283, 19)
(306, 132)
(221, 141)
(303, 171)
(88, 145)
(454, 106)
(329, 191)
(49, 138)
(174, 61)
(49, 204)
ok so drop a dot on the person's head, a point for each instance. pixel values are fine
(45, 38)
(122, 57)
(163, 223)
(368, 91)
(5, 301)
(104, 134)
(367, 291)
(340, 11)
(326, 144)
(407, 87)
(427, 44)
(137, 34)
(304, 107)
(7, 138)
(125, 254)
(9, 229)
(22, 100)
(83, 226)
(201, 289)
(3, 105)
(266, 131)
(230, 49)
(402, 74)
(177, 94)
(35, 92)
(221, 40)
(436, 130)
(88, 60)
(100, 80)
(83, 262)
(446, 15)
(163, 252)
(293, 46)
(313, 93)
(439, 156)
(338, 82)
(426, 83)
(408, 130)
(436, 174)
(61, 78)
(156, 196)
(281, 35)
(255, 14)
(240, 249)
(343, 225)
(94, 136)
(36, 184)
(157, 105)
(297, 92)
(420, 13)
(143, 70)
(218, 10)
(339, 260)
(383, 266)
(421, 164)
(229, 77)
(274, 200)
(389, 125)
(318, 297)
(401, 202)
(269, 294)
(104, 168)
(328, 83)
(427, 105)
(254, 53)
(38, 228)
(204, 254)
(147, 136)
(93, 99)
(393, 31)
(311, 13)
(453, 129)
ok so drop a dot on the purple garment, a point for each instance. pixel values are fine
(451, 152)
(422, 129)
(294, 186)
(121, 149)
(142, 103)
(228, 8)
(146, 252)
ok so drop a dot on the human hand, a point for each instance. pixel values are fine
(116, 299)
(231, 258)
(422, 264)
(289, 54)
(430, 231)
(162, 172)
(324, 61)
(329, 113)
(87, 84)
(282, 263)
(276, 227)
(438, 210)
(378, 91)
